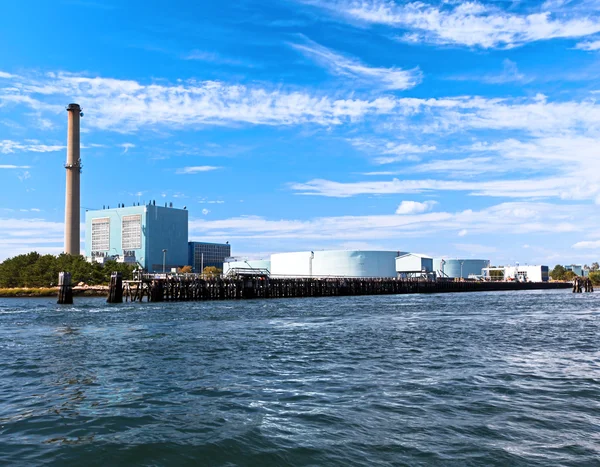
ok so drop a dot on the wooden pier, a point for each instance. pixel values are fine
(190, 287)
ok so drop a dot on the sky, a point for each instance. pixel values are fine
(455, 129)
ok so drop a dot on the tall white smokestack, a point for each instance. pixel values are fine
(73, 166)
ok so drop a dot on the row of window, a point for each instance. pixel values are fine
(131, 233)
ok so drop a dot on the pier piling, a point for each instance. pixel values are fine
(65, 290)
(115, 289)
(176, 287)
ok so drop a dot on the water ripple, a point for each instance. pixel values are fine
(455, 379)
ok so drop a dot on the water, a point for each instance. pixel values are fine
(458, 379)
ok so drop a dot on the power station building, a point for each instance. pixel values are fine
(156, 237)
(204, 254)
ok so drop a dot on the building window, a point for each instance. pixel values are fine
(131, 236)
(101, 234)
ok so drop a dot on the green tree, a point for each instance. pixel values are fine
(569, 276)
(558, 273)
(595, 277)
(35, 270)
(594, 266)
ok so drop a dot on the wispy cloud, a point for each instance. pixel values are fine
(465, 23)
(25, 235)
(9, 147)
(125, 105)
(510, 74)
(126, 147)
(212, 57)
(512, 218)
(14, 167)
(386, 152)
(527, 188)
(338, 64)
(589, 46)
(196, 169)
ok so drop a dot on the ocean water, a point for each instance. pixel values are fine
(453, 379)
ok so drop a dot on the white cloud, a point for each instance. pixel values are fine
(587, 245)
(19, 236)
(24, 176)
(125, 105)
(126, 146)
(14, 167)
(463, 233)
(415, 207)
(196, 169)
(526, 188)
(205, 211)
(9, 147)
(515, 218)
(589, 46)
(466, 23)
(212, 57)
(463, 167)
(390, 151)
(510, 74)
(389, 78)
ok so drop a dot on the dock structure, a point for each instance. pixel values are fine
(192, 287)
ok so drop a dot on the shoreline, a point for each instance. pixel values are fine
(45, 292)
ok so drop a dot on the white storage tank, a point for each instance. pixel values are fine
(335, 263)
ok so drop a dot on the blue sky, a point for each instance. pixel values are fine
(449, 128)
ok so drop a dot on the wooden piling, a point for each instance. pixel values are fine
(194, 287)
(65, 290)
(115, 289)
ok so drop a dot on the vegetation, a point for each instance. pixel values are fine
(35, 270)
(559, 273)
(26, 292)
(595, 277)
(212, 271)
(185, 270)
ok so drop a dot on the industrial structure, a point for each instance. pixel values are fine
(155, 237)
(204, 254)
(414, 265)
(335, 263)
(241, 266)
(577, 270)
(459, 268)
(72, 191)
(527, 273)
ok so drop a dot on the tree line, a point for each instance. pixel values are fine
(35, 270)
(560, 273)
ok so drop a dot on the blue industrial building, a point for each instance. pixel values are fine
(204, 254)
(139, 234)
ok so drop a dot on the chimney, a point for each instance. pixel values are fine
(73, 166)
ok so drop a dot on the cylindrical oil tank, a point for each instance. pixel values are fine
(335, 263)
(453, 267)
